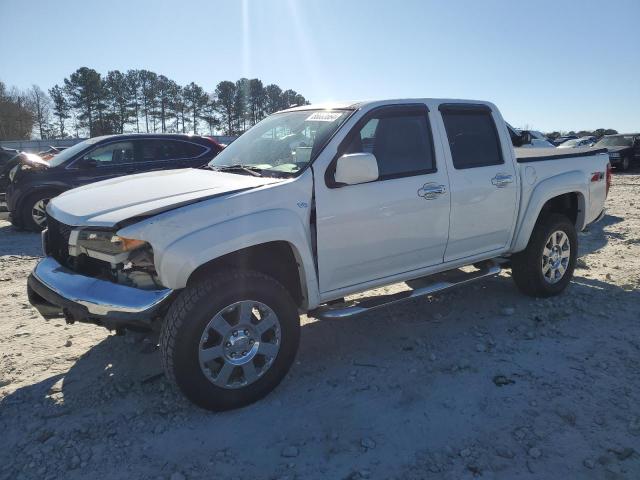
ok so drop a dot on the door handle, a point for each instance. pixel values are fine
(501, 180)
(430, 191)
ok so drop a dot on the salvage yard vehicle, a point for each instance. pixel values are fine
(581, 142)
(35, 181)
(7, 156)
(624, 149)
(312, 205)
(563, 138)
(528, 138)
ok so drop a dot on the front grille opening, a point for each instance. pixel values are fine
(58, 240)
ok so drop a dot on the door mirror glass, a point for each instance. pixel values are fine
(356, 168)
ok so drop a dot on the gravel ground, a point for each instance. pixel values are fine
(480, 381)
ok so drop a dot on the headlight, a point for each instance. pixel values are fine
(103, 244)
(12, 172)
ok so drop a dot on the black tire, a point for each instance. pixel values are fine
(190, 314)
(26, 219)
(625, 163)
(526, 266)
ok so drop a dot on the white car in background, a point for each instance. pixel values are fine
(579, 142)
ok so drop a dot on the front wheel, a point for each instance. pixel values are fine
(546, 266)
(229, 339)
(34, 210)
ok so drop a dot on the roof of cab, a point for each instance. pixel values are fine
(353, 105)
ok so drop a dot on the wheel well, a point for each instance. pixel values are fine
(276, 259)
(39, 190)
(567, 204)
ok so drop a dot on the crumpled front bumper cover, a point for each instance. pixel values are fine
(56, 291)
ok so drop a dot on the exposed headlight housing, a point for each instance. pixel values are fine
(103, 245)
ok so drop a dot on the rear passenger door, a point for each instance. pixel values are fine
(483, 182)
(396, 224)
(165, 154)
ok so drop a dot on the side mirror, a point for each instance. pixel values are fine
(356, 168)
(87, 163)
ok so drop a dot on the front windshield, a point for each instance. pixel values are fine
(68, 153)
(283, 143)
(622, 141)
(570, 143)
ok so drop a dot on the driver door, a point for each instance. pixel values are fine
(390, 226)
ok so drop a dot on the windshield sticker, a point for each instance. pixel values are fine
(323, 117)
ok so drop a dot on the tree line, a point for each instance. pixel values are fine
(88, 103)
(598, 132)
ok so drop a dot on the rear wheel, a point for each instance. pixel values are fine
(230, 339)
(546, 266)
(625, 163)
(34, 215)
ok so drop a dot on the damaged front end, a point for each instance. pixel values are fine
(93, 275)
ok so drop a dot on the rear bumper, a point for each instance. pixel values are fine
(56, 291)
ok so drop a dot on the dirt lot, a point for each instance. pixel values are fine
(476, 382)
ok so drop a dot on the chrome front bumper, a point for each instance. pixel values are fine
(57, 291)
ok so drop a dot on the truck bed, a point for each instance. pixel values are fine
(526, 155)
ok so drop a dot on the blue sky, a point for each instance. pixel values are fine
(547, 64)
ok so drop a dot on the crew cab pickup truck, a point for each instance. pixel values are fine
(310, 206)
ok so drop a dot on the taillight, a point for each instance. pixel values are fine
(215, 142)
(608, 178)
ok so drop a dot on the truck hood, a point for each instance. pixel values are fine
(109, 202)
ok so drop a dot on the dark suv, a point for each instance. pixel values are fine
(33, 182)
(623, 149)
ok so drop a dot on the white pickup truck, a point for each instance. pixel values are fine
(310, 206)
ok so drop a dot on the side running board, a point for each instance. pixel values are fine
(419, 287)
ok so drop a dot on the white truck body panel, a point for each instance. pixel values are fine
(472, 231)
(378, 229)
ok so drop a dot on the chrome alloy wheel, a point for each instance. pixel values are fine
(239, 344)
(555, 257)
(39, 212)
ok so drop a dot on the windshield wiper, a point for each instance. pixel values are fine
(250, 169)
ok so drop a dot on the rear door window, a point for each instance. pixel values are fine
(159, 150)
(400, 139)
(473, 137)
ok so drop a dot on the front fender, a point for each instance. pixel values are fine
(183, 256)
(20, 192)
(569, 182)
